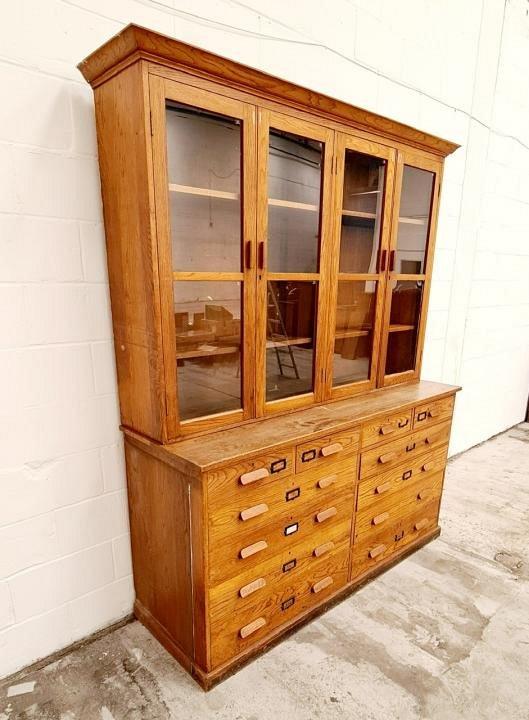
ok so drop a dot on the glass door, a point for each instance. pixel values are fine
(294, 196)
(364, 179)
(203, 148)
(416, 197)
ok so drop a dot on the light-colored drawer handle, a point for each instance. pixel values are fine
(253, 476)
(322, 584)
(252, 587)
(322, 549)
(422, 524)
(252, 627)
(254, 511)
(428, 466)
(382, 488)
(386, 429)
(423, 494)
(431, 440)
(331, 449)
(386, 457)
(326, 514)
(326, 481)
(376, 551)
(434, 412)
(379, 519)
(252, 549)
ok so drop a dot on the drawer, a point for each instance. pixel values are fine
(256, 472)
(326, 450)
(386, 428)
(391, 508)
(314, 523)
(377, 487)
(374, 550)
(403, 450)
(231, 635)
(433, 412)
(248, 507)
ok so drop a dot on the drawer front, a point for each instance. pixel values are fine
(245, 551)
(403, 450)
(390, 509)
(249, 507)
(378, 487)
(373, 550)
(327, 450)
(386, 428)
(262, 471)
(433, 412)
(231, 635)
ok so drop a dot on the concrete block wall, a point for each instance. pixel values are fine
(462, 73)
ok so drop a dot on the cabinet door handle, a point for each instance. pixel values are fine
(326, 481)
(382, 488)
(386, 429)
(254, 511)
(252, 627)
(423, 494)
(383, 257)
(253, 476)
(322, 549)
(260, 256)
(421, 524)
(392, 260)
(331, 449)
(428, 466)
(252, 549)
(326, 514)
(322, 584)
(378, 519)
(252, 587)
(376, 551)
(248, 255)
(386, 457)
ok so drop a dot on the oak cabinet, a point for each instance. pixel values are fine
(270, 254)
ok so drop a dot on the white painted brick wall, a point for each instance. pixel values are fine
(65, 568)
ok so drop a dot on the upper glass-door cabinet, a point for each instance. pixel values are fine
(203, 146)
(410, 258)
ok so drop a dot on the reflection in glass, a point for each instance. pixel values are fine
(208, 347)
(414, 220)
(355, 318)
(363, 187)
(290, 331)
(294, 188)
(406, 297)
(204, 167)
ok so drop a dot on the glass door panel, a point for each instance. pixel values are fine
(406, 300)
(353, 336)
(414, 219)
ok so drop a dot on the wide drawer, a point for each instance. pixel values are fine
(432, 412)
(372, 550)
(327, 450)
(383, 457)
(386, 428)
(391, 508)
(249, 507)
(377, 487)
(233, 634)
(239, 553)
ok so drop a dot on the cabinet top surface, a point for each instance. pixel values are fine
(233, 444)
(135, 42)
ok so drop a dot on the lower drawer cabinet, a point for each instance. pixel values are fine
(278, 603)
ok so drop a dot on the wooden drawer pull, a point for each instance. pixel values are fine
(431, 440)
(428, 466)
(423, 494)
(422, 524)
(252, 627)
(253, 476)
(382, 488)
(376, 551)
(252, 549)
(322, 584)
(254, 511)
(379, 519)
(434, 412)
(326, 514)
(386, 457)
(326, 481)
(322, 549)
(386, 429)
(331, 449)
(252, 587)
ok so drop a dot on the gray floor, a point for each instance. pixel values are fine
(443, 635)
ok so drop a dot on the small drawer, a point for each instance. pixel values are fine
(433, 412)
(386, 428)
(327, 450)
(403, 450)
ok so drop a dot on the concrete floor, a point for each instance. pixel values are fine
(441, 636)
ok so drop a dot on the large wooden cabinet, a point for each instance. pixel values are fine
(270, 253)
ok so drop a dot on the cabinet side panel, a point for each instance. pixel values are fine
(125, 167)
(159, 509)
